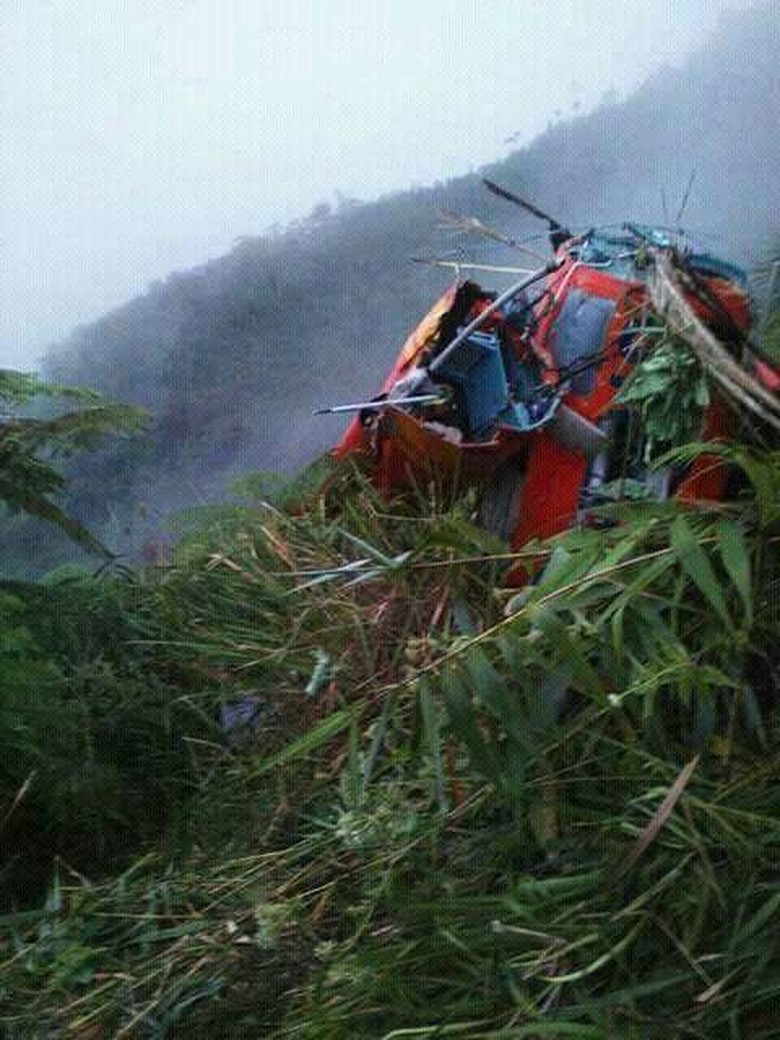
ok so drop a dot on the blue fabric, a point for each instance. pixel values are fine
(477, 369)
(578, 334)
(706, 263)
(618, 253)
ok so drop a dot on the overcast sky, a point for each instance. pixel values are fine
(144, 136)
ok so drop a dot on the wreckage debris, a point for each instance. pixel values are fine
(526, 386)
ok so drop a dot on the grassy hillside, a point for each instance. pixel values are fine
(233, 356)
(449, 811)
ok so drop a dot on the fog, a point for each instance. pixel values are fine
(143, 138)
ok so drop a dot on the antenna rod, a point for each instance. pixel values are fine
(375, 406)
(684, 202)
(464, 265)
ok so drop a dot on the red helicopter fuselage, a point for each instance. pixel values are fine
(533, 389)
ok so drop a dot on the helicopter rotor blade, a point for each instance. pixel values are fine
(510, 196)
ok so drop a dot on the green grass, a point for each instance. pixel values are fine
(770, 339)
(466, 813)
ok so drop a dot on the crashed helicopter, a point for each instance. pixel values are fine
(519, 392)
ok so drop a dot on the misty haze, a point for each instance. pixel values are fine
(146, 138)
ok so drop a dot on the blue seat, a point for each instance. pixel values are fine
(476, 369)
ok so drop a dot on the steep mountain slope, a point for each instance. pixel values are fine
(426, 810)
(232, 357)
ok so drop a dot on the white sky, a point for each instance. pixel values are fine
(144, 136)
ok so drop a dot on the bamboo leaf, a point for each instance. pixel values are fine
(370, 550)
(662, 814)
(762, 475)
(694, 562)
(600, 962)
(321, 675)
(312, 740)
(566, 567)
(462, 715)
(752, 715)
(761, 918)
(736, 559)
(569, 649)
(378, 738)
(432, 739)
(493, 693)
(352, 784)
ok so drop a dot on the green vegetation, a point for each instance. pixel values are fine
(29, 443)
(669, 392)
(312, 773)
(771, 338)
(455, 811)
